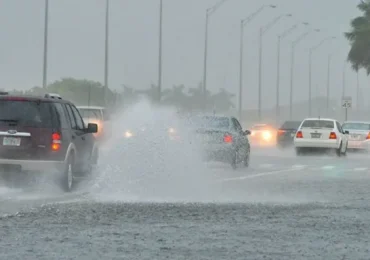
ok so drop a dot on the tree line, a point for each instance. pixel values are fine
(88, 92)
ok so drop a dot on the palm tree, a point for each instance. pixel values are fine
(222, 101)
(175, 96)
(359, 38)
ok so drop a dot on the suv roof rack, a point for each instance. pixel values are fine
(52, 95)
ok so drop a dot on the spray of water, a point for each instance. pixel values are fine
(150, 166)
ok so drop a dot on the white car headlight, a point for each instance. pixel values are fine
(171, 130)
(267, 135)
(128, 134)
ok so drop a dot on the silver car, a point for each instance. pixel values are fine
(359, 134)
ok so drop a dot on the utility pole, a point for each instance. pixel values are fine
(46, 27)
(160, 52)
(105, 88)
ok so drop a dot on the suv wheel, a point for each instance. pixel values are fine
(67, 181)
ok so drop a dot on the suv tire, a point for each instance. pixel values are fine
(67, 182)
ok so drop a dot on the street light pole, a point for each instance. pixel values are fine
(281, 37)
(209, 12)
(262, 31)
(243, 23)
(300, 38)
(160, 51)
(310, 72)
(45, 62)
(328, 86)
(106, 51)
(344, 80)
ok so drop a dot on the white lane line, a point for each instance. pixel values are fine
(328, 167)
(258, 175)
(299, 166)
(360, 169)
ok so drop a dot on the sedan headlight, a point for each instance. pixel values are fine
(128, 134)
(266, 135)
(171, 130)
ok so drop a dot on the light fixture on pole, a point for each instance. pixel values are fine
(280, 38)
(106, 56)
(262, 31)
(160, 51)
(243, 23)
(209, 12)
(310, 71)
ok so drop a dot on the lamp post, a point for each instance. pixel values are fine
(310, 72)
(328, 85)
(262, 31)
(281, 37)
(106, 55)
(45, 62)
(294, 44)
(160, 51)
(243, 23)
(209, 12)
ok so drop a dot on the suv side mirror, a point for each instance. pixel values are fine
(346, 132)
(92, 128)
(247, 132)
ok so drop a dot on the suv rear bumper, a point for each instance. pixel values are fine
(33, 165)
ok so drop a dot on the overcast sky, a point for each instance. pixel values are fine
(76, 44)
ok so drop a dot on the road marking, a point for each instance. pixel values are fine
(360, 169)
(258, 175)
(328, 167)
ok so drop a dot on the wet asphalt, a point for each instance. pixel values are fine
(281, 207)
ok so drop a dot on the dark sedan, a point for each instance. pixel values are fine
(286, 133)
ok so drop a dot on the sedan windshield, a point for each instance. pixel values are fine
(356, 126)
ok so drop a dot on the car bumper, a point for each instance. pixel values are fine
(33, 165)
(361, 145)
(330, 144)
(216, 152)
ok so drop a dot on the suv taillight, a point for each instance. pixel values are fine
(368, 136)
(56, 140)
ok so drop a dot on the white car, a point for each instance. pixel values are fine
(322, 133)
(359, 137)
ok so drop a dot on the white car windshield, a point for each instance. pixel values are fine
(318, 124)
(356, 126)
(90, 113)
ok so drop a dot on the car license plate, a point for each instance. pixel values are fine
(315, 135)
(11, 141)
(355, 137)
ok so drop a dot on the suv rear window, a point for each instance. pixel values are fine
(291, 125)
(25, 113)
(318, 124)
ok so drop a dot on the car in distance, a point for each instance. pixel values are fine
(286, 132)
(222, 139)
(45, 134)
(359, 139)
(100, 116)
(263, 134)
(321, 133)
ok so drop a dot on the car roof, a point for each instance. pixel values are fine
(35, 98)
(90, 107)
(319, 118)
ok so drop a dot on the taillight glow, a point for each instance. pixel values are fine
(299, 134)
(56, 141)
(368, 136)
(228, 139)
(332, 135)
(281, 132)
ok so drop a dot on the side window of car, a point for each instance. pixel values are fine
(339, 127)
(79, 120)
(237, 125)
(71, 117)
(62, 117)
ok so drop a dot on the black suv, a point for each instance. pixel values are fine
(46, 134)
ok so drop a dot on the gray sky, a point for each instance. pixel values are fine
(76, 44)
